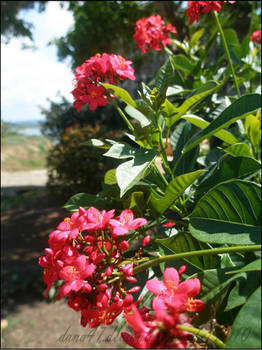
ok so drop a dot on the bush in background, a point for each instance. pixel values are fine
(74, 167)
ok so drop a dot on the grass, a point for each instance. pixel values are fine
(22, 152)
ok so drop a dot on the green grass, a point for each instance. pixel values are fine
(22, 152)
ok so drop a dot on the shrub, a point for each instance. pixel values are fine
(73, 167)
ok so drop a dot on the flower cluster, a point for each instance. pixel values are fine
(195, 8)
(256, 36)
(151, 32)
(162, 329)
(97, 69)
(86, 253)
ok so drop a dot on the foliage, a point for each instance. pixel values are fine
(11, 24)
(61, 115)
(74, 167)
(87, 38)
(207, 108)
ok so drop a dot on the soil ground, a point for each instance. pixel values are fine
(29, 320)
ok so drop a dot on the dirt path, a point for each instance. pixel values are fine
(24, 178)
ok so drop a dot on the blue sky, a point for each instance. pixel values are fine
(29, 77)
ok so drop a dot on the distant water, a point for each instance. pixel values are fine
(34, 131)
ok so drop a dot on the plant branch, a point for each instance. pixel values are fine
(215, 251)
(205, 334)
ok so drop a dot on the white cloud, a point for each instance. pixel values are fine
(29, 78)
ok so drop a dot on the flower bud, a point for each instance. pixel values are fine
(127, 269)
(128, 300)
(146, 240)
(109, 271)
(124, 245)
(182, 269)
(131, 279)
(134, 289)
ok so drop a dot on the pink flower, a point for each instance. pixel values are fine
(97, 220)
(151, 33)
(122, 67)
(256, 36)
(183, 292)
(198, 7)
(125, 223)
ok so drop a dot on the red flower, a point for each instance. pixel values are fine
(198, 7)
(95, 96)
(151, 32)
(159, 331)
(99, 68)
(86, 256)
(256, 36)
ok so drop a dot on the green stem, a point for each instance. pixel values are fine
(204, 252)
(170, 55)
(160, 174)
(122, 114)
(164, 158)
(205, 334)
(227, 52)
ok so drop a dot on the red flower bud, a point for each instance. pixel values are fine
(124, 245)
(146, 240)
(134, 289)
(182, 269)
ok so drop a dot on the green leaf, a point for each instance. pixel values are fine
(181, 134)
(136, 202)
(131, 172)
(183, 63)
(196, 37)
(101, 201)
(227, 168)
(239, 150)
(223, 135)
(80, 200)
(174, 189)
(228, 213)
(148, 136)
(134, 113)
(253, 129)
(172, 113)
(214, 290)
(246, 329)
(99, 143)
(244, 287)
(239, 109)
(120, 93)
(110, 177)
(162, 76)
(253, 266)
(121, 151)
(184, 242)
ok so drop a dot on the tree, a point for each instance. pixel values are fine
(11, 25)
